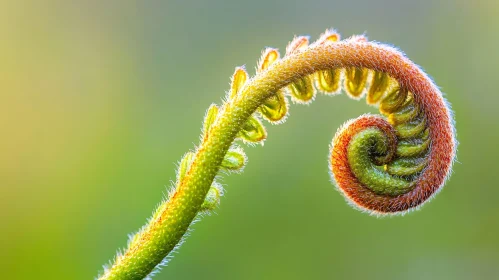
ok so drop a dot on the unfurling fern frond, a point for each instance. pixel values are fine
(383, 164)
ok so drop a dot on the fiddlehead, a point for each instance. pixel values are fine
(383, 165)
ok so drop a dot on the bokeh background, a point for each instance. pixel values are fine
(100, 99)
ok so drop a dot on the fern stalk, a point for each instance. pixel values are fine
(381, 165)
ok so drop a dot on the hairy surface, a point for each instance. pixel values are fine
(382, 164)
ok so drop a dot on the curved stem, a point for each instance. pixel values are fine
(162, 233)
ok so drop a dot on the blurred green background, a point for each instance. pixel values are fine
(100, 99)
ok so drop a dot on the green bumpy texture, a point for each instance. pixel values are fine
(363, 147)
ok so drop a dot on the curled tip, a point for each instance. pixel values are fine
(269, 56)
(299, 43)
(407, 113)
(329, 81)
(411, 129)
(238, 80)
(406, 166)
(302, 91)
(380, 171)
(414, 147)
(235, 160)
(379, 85)
(395, 98)
(184, 165)
(209, 119)
(212, 199)
(355, 81)
(330, 36)
(275, 108)
(253, 131)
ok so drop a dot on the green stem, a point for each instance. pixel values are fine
(164, 233)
